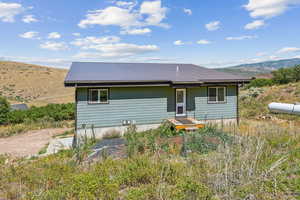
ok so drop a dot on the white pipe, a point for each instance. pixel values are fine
(284, 108)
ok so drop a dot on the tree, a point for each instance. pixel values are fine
(260, 82)
(297, 73)
(4, 110)
(283, 76)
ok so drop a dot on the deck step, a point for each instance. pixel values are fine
(187, 124)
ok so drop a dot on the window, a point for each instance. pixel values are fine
(216, 95)
(98, 96)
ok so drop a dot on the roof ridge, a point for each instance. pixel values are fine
(136, 63)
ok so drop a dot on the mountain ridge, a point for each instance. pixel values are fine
(255, 69)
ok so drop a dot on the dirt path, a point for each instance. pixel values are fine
(28, 143)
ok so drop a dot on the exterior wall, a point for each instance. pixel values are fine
(150, 105)
(199, 108)
(143, 105)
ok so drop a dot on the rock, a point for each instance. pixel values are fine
(56, 145)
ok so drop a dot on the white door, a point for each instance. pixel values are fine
(180, 102)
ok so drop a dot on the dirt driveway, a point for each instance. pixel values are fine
(29, 143)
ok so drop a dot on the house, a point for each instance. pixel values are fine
(111, 96)
(21, 106)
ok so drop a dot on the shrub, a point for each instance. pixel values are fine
(150, 141)
(283, 76)
(260, 82)
(206, 139)
(252, 93)
(55, 112)
(286, 75)
(297, 73)
(4, 110)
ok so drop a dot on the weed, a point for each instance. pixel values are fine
(260, 162)
(44, 149)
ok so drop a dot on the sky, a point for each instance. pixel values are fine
(210, 33)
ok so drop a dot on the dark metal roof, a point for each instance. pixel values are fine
(22, 106)
(98, 72)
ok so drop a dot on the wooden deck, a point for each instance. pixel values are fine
(187, 124)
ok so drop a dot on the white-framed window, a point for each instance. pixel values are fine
(216, 94)
(98, 96)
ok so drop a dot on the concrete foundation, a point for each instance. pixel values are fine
(101, 132)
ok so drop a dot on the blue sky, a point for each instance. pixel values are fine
(211, 33)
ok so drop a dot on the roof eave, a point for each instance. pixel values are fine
(152, 83)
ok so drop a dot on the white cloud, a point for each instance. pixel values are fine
(178, 43)
(54, 35)
(110, 16)
(244, 37)
(29, 19)
(255, 24)
(151, 13)
(156, 13)
(137, 31)
(109, 47)
(30, 35)
(92, 42)
(204, 42)
(54, 46)
(8, 11)
(289, 50)
(118, 50)
(187, 11)
(212, 26)
(126, 4)
(76, 34)
(269, 8)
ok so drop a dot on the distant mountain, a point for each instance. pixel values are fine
(256, 69)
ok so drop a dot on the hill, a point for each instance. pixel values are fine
(254, 102)
(33, 84)
(256, 69)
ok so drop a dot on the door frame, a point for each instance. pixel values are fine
(184, 114)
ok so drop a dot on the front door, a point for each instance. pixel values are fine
(180, 102)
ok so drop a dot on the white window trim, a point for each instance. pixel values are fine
(183, 104)
(217, 95)
(99, 92)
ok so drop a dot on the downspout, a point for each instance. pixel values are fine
(237, 105)
(75, 116)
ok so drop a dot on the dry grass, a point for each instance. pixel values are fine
(261, 164)
(257, 107)
(33, 84)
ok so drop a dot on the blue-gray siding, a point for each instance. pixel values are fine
(150, 105)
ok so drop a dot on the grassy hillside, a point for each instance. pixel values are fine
(254, 101)
(33, 84)
(255, 69)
